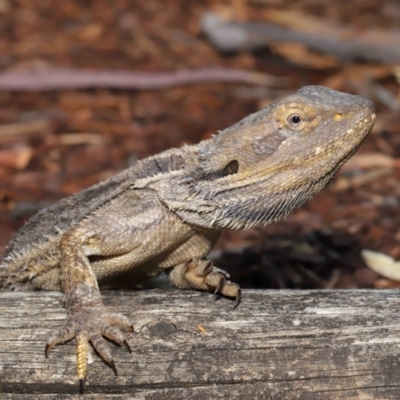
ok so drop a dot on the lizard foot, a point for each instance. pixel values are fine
(203, 275)
(90, 323)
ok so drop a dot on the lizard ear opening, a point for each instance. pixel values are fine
(231, 168)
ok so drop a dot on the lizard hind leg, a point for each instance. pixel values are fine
(201, 274)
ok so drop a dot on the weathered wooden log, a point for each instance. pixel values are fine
(275, 345)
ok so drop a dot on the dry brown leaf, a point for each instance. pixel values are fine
(396, 73)
(297, 20)
(80, 138)
(12, 132)
(358, 75)
(371, 160)
(386, 284)
(299, 54)
(241, 10)
(90, 31)
(344, 183)
(17, 158)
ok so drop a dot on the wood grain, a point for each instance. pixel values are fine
(276, 345)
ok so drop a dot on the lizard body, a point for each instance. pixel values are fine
(166, 212)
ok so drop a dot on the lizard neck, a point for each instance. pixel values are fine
(243, 207)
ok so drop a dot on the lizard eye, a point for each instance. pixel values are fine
(294, 120)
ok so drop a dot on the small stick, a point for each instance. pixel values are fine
(60, 79)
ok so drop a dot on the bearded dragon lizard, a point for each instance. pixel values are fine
(166, 212)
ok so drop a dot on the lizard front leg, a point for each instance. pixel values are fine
(88, 318)
(201, 274)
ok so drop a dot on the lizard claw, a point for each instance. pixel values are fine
(81, 386)
(127, 346)
(113, 367)
(219, 287)
(91, 324)
(47, 350)
(238, 299)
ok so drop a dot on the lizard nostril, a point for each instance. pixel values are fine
(337, 117)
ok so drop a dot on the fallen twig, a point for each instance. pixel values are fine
(58, 79)
(9, 132)
(343, 42)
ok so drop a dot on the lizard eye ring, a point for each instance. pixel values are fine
(295, 120)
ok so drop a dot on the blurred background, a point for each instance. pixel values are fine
(89, 87)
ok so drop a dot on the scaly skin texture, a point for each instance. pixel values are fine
(166, 212)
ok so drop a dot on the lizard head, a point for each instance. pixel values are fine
(314, 126)
(271, 162)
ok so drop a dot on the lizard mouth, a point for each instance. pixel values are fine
(284, 171)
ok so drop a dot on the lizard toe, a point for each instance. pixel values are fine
(113, 333)
(102, 347)
(119, 320)
(62, 335)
